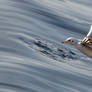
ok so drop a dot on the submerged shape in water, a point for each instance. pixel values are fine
(29, 64)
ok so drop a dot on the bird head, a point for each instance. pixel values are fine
(71, 41)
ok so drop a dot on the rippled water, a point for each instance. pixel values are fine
(32, 58)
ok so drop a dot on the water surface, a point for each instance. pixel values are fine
(32, 58)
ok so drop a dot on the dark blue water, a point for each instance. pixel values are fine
(32, 58)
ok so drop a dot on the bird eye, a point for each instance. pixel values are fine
(69, 40)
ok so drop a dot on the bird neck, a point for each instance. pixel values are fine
(77, 45)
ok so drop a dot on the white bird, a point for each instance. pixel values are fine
(84, 46)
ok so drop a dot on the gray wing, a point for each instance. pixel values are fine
(87, 41)
(90, 32)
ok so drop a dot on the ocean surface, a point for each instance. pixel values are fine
(32, 58)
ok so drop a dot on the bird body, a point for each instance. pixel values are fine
(84, 49)
(84, 46)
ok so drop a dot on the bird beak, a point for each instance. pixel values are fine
(64, 42)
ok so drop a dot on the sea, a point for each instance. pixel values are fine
(32, 57)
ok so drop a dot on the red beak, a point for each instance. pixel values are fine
(64, 42)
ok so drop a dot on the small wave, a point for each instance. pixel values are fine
(49, 49)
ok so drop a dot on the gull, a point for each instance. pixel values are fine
(84, 46)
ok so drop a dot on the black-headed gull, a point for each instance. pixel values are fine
(84, 46)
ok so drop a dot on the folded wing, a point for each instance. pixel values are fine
(87, 41)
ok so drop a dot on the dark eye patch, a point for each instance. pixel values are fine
(69, 40)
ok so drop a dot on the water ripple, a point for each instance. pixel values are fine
(32, 59)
